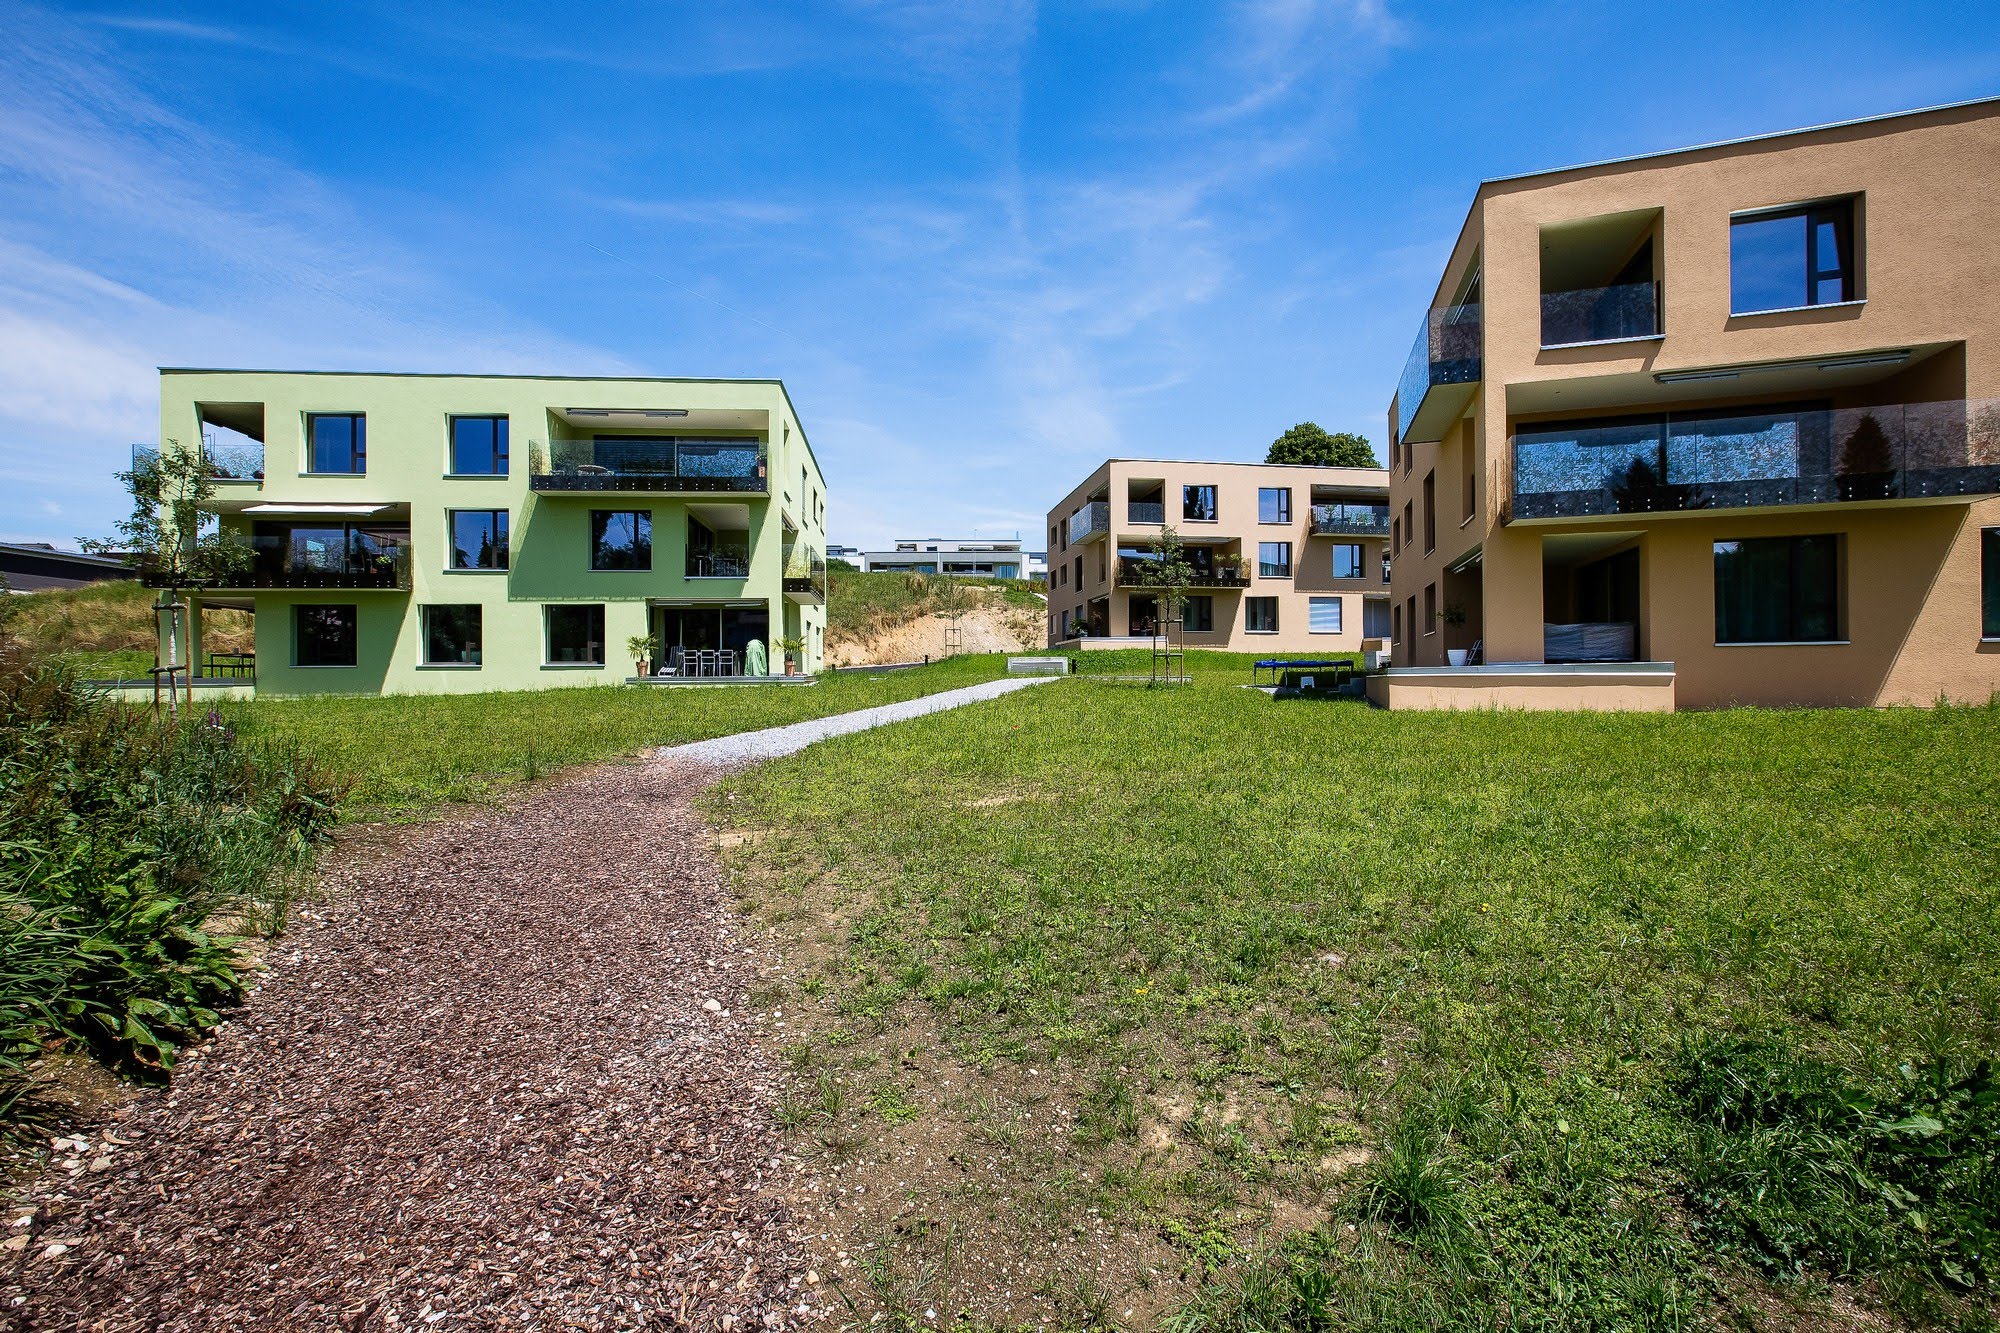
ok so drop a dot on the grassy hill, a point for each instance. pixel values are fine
(106, 629)
(862, 606)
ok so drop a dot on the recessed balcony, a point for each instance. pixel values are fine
(657, 465)
(1617, 313)
(1780, 457)
(1350, 520)
(1442, 371)
(1223, 572)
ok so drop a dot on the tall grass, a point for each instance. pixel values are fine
(107, 629)
(133, 854)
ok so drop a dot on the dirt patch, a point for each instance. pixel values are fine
(502, 1077)
(993, 628)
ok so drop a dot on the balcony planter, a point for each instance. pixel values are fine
(1457, 656)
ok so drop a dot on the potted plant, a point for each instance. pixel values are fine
(1453, 616)
(641, 648)
(795, 648)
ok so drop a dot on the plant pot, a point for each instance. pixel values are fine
(791, 667)
(642, 667)
(1457, 656)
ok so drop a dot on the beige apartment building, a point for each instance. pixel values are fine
(1729, 408)
(1286, 559)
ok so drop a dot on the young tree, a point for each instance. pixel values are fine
(1306, 444)
(174, 543)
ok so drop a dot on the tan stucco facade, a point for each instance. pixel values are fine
(1916, 327)
(1141, 496)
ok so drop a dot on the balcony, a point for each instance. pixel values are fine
(1091, 521)
(1145, 511)
(1442, 372)
(1136, 573)
(1349, 520)
(654, 465)
(718, 564)
(225, 460)
(805, 581)
(275, 564)
(1601, 314)
(1779, 458)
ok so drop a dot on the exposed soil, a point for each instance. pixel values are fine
(504, 1077)
(984, 629)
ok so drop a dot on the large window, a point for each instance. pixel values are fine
(1198, 504)
(1349, 561)
(1274, 560)
(575, 635)
(1260, 615)
(1989, 582)
(1777, 590)
(325, 636)
(1798, 257)
(1198, 615)
(1323, 615)
(479, 446)
(621, 539)
(337, 443)
(1274, 504)
(478, 538)
(1430, 511)
(452, 635)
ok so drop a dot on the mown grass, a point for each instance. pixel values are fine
(1553, 1021)
(407, 754)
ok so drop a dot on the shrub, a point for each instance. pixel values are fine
(133, 854)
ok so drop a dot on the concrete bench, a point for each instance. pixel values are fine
(1038, 666)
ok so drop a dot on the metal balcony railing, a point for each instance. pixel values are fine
(1092, 520)
(226, 460)
(1350, 520)
(1752, 459)
(653, 465)
(1145, 511)
(1138, 573)
(1443, 365)
(276, 563)
(718, 565)
(1601, 314)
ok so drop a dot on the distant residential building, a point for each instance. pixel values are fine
(1038, 564)
(853, 555)
(38, 566)
(984, 557)
(1285, 559)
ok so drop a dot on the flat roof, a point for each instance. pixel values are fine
(1745, 139)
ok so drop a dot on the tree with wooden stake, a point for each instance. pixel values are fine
(176, 545)
(1170, 576)
(950, 599)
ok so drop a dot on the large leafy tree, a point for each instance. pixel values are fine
(1307, 444)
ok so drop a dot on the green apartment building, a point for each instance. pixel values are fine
(452, 533)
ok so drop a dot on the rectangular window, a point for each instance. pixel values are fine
(1777, 590)
(325, 635)
(1274, 560)
(478, 538)
(1396, 624)
(1410, 615)
(1274, 504)
(575, 635)
(1430, 511)
(1198, 615)
(1798, 257)
(479, 446)
(1198, 504)
(337, 443)
(1430, 608)
(1471, 494)
(1989, 583)
(1409, 522)
(1348, 560)
(1323, 615)
(452, 635)
(1260, 615)
(1395, 536)
(621, 539)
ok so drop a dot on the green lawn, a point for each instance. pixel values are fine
(409, 753)
(1398, 1020)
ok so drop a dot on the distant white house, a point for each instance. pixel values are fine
(985, 557)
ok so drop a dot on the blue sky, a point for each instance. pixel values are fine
(985, 245)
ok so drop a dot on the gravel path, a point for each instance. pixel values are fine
(772, 742)
(505, 1079)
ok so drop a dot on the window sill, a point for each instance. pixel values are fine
(1260, 631)
(1467, 519)
(1798, 309)
(572, 666)
(713, 578)
(448, 666)
(475, 476)
(1606, 342)
(1787, 643)
(324, 666)
(332, 474)
(449, 570)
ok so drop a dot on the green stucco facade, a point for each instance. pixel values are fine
(406, 486)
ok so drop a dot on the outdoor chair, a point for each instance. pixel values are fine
(726, 665)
